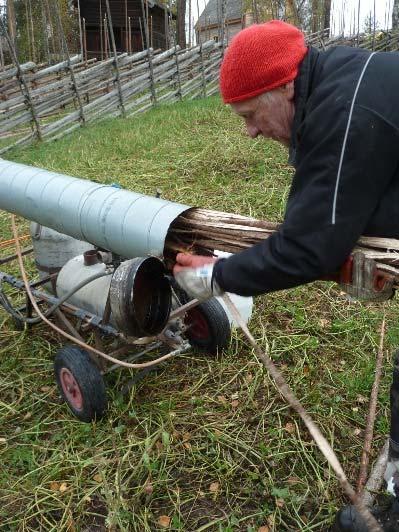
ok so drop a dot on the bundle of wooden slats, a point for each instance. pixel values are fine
(201, 231)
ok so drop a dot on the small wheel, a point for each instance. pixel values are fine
(80, 383)
(208, 327)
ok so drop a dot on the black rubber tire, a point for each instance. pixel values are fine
(77, 361)
(213, 316)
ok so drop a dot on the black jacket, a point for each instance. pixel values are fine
(345, 149)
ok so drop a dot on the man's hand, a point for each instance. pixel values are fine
(361, 279)
(194, 273)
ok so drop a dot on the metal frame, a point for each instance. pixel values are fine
(127, 349)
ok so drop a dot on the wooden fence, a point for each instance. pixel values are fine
(48, 102)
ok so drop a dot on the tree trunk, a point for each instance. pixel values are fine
(11, 21)
(316, 9)
(395, 15)
(181, 23)
(293, 9)
(327, 15)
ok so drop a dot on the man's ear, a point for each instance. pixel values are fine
(288, 89)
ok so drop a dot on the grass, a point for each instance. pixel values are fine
(203, 444)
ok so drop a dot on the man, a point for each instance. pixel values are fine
(338, 112)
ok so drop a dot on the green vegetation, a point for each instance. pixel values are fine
(203, 444)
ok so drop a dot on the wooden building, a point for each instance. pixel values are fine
(128, 25)
(209, 23)
(239, 14)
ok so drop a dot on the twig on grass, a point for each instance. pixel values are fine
(368, 435)
(293, 401)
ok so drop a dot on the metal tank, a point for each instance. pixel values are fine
(124, 222)
(93, 296)
(53, 249)
(138, 291)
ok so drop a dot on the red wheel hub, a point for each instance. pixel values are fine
(71, 389)
(198, 325)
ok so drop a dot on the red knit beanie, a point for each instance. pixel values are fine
(260, 58)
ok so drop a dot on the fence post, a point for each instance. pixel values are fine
(149, 54)
(84, 41)
(2, 64)
(117, 73)
(166, 28)
(22, 81)
(69, 66)
(202, 72)
(130, 36)
(80, 30)
(178, 74)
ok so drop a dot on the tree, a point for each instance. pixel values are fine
(316, 9)
(38, 35)
(181, 23)
(12, 26)
(395, 15)
(327, 14)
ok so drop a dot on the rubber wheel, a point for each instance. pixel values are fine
(208, 326)
(80, 383)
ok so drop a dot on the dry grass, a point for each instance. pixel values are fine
(203, 444)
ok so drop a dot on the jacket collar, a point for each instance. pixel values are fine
(301, 95)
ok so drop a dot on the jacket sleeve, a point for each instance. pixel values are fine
(336, 187)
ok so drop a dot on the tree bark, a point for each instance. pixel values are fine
(181, 23)
(395, 15)
(315, 15)
(293, 9)
(11, 21)
(327, 15)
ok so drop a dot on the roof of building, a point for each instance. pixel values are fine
(151, 3)
(212, 14)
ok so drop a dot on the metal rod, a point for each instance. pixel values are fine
(10, 258)
(135, 356)
(68, 325)
(88, 317)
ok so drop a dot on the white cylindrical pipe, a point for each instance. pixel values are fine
(126, 223)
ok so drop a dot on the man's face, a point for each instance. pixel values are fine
(271, 114)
